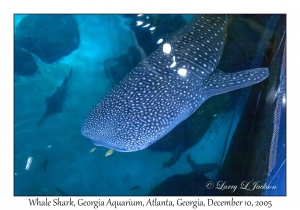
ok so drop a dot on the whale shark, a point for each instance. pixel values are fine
(166, 87)
(55, 101)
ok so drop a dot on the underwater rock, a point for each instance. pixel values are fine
(50, 37)
(182, 185)
(24, 63)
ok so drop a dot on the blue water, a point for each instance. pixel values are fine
(63, 162)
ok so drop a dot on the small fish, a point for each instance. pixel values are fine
(61, 191)
(203, 168)
(55, 101)
(93, 149)
(109, 152)
(135, 187)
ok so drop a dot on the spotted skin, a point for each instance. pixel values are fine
(154, 97)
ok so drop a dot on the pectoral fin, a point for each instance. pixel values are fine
(219, 82)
